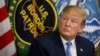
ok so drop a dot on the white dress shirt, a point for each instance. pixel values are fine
(73, 46)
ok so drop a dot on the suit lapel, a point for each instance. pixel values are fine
(79, 47)
(59, 46)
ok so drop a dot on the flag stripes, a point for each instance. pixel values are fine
(3, 13)
(2, 3)
(5, 39)
(7, 45)
(4, 26)
(9, 50)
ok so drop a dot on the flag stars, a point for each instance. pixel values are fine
(10, 14)
(11, 7)
(14, 1)
(11, 24)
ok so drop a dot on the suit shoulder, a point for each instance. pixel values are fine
(84, 40)
(47, 36)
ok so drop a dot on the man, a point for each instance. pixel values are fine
(71, 22)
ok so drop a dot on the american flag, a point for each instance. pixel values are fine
(7, 45)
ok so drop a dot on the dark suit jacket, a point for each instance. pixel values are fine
(51, 45)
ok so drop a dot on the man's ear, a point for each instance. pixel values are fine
(81, 29)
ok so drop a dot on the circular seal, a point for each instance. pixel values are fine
(33, 18)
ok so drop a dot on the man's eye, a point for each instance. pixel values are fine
(64, 18)
(74, 21)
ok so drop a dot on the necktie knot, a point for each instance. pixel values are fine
(68, 43)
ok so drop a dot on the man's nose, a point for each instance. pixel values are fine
(68, 23)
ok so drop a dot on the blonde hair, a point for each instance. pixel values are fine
(78, 9)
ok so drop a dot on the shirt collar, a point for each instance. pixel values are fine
(65, 41)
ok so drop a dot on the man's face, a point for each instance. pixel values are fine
(70, 24)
